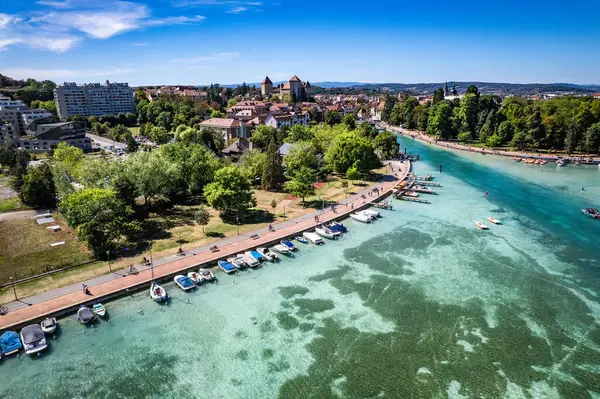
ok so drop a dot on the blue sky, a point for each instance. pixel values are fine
(156, 42)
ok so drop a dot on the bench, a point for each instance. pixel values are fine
(254, 236)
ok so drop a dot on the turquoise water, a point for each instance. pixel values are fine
(420, 304)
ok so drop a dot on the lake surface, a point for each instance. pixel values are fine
(419, 304)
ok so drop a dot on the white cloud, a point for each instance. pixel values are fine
(59, 45)
(4, 43)
(174, 20)
(6, 19)
(213, 58)
(139, 44)
(237, 10)
(60, 74)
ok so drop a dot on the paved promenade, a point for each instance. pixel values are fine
(69, 297)
(418, 135)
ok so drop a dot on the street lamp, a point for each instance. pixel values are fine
(108, 256)
(12, 280)
(237, 222)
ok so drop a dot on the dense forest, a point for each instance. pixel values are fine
(28, 90)
(569, 124)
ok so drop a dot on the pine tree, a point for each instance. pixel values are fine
(272, 177)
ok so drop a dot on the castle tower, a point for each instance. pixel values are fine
(266, 87)
(296, 86)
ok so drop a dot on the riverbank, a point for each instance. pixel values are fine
(424, 138)
(68, 299)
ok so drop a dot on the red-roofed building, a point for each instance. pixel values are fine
(230, 128)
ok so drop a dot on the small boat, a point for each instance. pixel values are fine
(85, 315)
(206, 274)
(238, 262)
(289, 244)
(543, 162)
(335, 233)
(158, 293)
(49, 325)
(184, 282)
(493, 220)
(256, 256)
(249, 260)
(361, 217)
(411, 194)
(312, 237)
(591, 212)
(282, 249)
(373, 213)
(324, 233)
(226, 267)
(272, 257)
(304, 240)
(560, 162)
(481, 225)
(33, 338)
(10, 343)
(195, 277)
(99, 309)
(338, 226)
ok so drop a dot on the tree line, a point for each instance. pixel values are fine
(569, 124)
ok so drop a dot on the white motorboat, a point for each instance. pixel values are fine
(195, 277)
(158, 293)
(49, 325)
(33, 339)
(282, 249)
(372, 213)
(312, 237)
(271, 256)
(227, 267)
(591, 212)
(324, 233)
(481, 225)
(184, 282)
(85, 315)
(289, 244)
(494, 220)
(206, 274)
(560, 162)
(330, 231)
(99, 309)
(361, 217)
(238, 262)
(249, 260)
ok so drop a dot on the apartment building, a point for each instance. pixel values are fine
(41, 135)
(15, 116)
(93, 99)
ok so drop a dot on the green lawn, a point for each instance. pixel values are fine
(11, 204)
(135, 130)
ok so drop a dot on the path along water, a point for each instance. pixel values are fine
(418, 304)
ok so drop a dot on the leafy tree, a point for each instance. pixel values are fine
(408, 109)
(302, 155)
(231, 102)
(68, 155)
(348, 150)
(230, 192)
(349, 121)
(101, 219)
(261, 136)
(422, 119)
(254, 163)
(521, 141)
(38, 188)
(592, 138)
(439, 123)
(299, 133)
(152, 173)
(472, 89)
(469, 109)
(118, 132)
(272, 177)
(49, 105)
(202, 217)
(388, 106)
(345, 185)
(352, 174)
(493, 141)
(132, 145)
(273, 205)
(365, 129)
(438, 96)
(302, 184)
(159, 135)
(386, 145)
(217, 114)
(464, 137)
(8, 155)
(332, 118)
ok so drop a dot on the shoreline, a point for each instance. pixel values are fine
(63, 304)
(424, 138)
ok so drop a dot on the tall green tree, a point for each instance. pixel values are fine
(202, 217)
(350, 149)
(439, 122)
(272, 177)
(469, 109)
(592, 138)
(302, 155)
(332, 118)
(386, 145)
(303, 183)
(230, 192)
(38, 188)
(438, 96)
(350, 121)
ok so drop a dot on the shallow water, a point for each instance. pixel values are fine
(419, 304)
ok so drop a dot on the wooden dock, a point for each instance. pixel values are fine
(383, 205)
(429, 183)
(413, 199)
(423, 190)
(420, 178)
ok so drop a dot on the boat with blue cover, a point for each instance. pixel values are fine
(256, 255)
(335, 226)
(226, 267)
(184, 282)
(289, 244)
(301, 239)
(10, 343)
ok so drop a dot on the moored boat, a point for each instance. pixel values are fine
(324, 233)
(481, 225)
(256, 256)
(10, 343)
(271, 257)
(301, 239)
(226, 267)
(238, 262)
(338, 226)
(206, 274)
(560, 162)
(249, 260)
(184, 282)
(493, 220)
(289, 244)
(195, 277)
(372, 213)
(158, 293)
(33, 338)
(85, 315)
(361, 217)
(282, 249)
(313, 238)
(99, 309)
(49, 325)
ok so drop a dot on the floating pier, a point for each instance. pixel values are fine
(421, 178)
(429, 183)
(382, 205)
(423, 190)
(414, 199)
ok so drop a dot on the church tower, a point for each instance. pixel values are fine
(266, 87)
(446, 92)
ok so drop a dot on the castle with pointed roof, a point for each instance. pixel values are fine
(301, 90)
